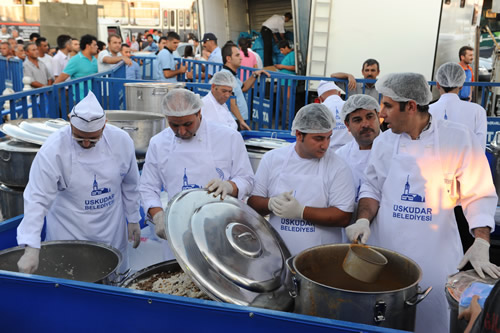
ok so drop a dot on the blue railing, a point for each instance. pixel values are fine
(11, 74)
(272, 101)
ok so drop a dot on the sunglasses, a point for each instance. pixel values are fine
(82, 139)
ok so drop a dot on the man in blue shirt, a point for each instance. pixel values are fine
(133, 72)
(166, 66)
(82, 64)
(152, 46)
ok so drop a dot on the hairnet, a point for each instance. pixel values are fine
(180, 103)
(450, 75)
(356, 102)
(403, 87)
(223, 78)
(313, 118)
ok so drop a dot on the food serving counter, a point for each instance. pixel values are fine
(32, 303)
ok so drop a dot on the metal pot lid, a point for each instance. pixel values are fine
(165, 85)
(13, 145)
(33, 130)
(230, 251)
(268, 143)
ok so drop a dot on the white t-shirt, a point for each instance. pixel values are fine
(47, 61)
(101, 66)
(340, 135)
(215, 112)
(275, 23)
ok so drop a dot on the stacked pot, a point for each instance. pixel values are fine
(17, 152)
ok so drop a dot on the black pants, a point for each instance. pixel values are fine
(267, 38)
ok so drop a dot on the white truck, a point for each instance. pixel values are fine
(339, 35)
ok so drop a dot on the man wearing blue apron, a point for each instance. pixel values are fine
(85, 181)
(416, 174)
(192, 153)
(305, 187)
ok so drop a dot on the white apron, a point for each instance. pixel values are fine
(92, 202)
(309, 190)
(191, 167)
(416, 219)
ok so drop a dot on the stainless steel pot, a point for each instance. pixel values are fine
(15, 162)
(141, 126)
(257, 147)
(148, 96)
(323, 289)
(11, 202)
(70, 259)
(170, 266)
(494, 149)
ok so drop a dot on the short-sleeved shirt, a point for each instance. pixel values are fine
(47, 61)
(80, 66)
(59, 61)
(275, 23)
(101, 65)
(238, 93)
(133, 71)
(288, 60)
(464, 93)
(165, 61)
(215, 56)
(39, 74)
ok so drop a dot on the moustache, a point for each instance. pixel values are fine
(367, 130)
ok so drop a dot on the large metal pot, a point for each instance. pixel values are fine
(257, 147)
(70, 259)
(11, 202)
(494, 149)
(141, 126)
(15, 162)
(323, 289)
(148, 96)
(170, 266)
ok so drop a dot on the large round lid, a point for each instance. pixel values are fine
(13, 145)
(164, 85)
(228, 249)
(33, 130)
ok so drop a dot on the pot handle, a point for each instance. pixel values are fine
(159, 91)
(120, 277)
(418, 297)
(127, 128)
(295, 292)
(6, 156)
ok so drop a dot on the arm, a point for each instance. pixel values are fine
(116, 59)
(330, 216)
(130, 184)
(349, 77)
(280, 66)
(61, 78)
(367, 208)
(50, 82)
(36, 84)
(251, 80)
(260, 204)
(237, 114)
(242, 175)
(150, 182)
(168, 73)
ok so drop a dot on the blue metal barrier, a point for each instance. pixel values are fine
(11, 74)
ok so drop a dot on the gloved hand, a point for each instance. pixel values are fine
(159, 221)
(479, 256)
(271, 204)
(29, 261)
(288, 207)
(134, 234)
(219, 186)
(360, 228)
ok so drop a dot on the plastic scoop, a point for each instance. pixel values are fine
(363, 263)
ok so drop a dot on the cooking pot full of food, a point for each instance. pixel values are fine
(322, 288)
(70, 259)
(141, 126)
(16, 158)
(11, 202)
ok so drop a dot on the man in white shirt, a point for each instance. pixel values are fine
(214, 103)
(272, 26)
(111, 56)
(416, 174)
(43, 53)
(450, 78)
(360, 115)
(305, 187)
(192, 153)
(329, 95)
(61, 58)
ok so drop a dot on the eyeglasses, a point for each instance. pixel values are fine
(83, 139)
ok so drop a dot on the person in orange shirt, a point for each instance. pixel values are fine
(466, 55)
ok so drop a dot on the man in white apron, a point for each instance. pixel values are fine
(85, 181)
(415, 175)
(360, 115)
(214, 103)
(305, 187)
(329, 95)
(192, 153)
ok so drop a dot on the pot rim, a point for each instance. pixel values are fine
(156, 115)
(15, 145)
(140, 274)
(302, 276)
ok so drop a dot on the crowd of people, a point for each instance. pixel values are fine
(348, 177)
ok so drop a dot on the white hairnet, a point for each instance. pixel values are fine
(450, 75)
(356, 102)
(313, 118)
(403, 87)
(223, 78)
(180, 103)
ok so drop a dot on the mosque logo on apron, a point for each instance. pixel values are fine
(220, 173)
(338, 121)
(185, 183)
(413, 212)
(102, 202)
